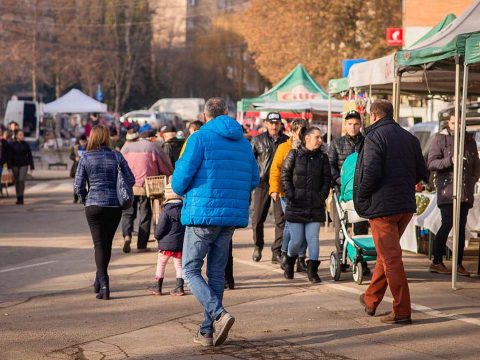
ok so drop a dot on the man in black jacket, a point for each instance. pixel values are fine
(264, 147)
(172, 145)
(389, 166)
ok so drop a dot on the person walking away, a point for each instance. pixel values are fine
(169, 234)
(172, 145)
(144, 159)
(264, 147)
(340, 149)
(3, 153)
(216, 202)
(389, 165)
(277, 193)
(98, 168)
(194, 126)
(76, 153)
(20, 161)
(440, 159)
(306, 181)
(116, 143)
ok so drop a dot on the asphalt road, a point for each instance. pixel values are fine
(48, 309)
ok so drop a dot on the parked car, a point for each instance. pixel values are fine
(154, 118)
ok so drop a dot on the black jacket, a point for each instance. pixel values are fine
(306, 182)
(3, 152)
(440, 160)
(339, 150)
(173, 148)
(170, 231)
(389, 165)
(264, 148)
(19, 154)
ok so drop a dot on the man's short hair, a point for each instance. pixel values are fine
(197, 124)
(382, 108)
(215, 107)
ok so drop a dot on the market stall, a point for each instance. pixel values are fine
(75, 101)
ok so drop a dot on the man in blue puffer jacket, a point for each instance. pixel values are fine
(215, 175)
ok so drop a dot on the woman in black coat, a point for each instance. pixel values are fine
(19, 160)
(440, 160)
(305, 181)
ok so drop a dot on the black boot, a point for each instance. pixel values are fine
(312, 271)
(284, 260)
(301, 265)
(178, 291)
(19, 200)
(229, 283)
(257, 254)
(96, 285)
(104, 292)
(156, 288)
(289, 267)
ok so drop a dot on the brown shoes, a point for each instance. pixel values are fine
(370, 311)
(396, 319)
(439, 268)
(461, 271)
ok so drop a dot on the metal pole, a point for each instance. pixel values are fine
(397, 98)
(456, 159)
(329, 120)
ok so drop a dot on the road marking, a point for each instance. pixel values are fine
(27, 266)
(335, 285)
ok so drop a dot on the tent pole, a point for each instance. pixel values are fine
(397, 98)
(329, 120)
(456, 160)
(394, 94)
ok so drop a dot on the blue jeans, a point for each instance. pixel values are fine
(301, 232)
(212, 242)
(286, 233)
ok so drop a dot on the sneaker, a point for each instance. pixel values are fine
(221, 327)
(462, 271)
(257, 254)
(439, 268)
(396, 319)
(126, 244)
(203, 339)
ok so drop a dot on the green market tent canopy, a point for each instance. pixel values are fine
(337, 86)
(472, 49)
(298, 85)
(440, 26)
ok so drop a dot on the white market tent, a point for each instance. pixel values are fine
(75, 101)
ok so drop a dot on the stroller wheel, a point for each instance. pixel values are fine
(335, 266)
(358, 273)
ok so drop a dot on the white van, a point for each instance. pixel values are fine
(26, 115)
(189, 109)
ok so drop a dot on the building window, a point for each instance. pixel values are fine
(192, 2)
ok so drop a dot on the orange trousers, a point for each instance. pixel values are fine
(389, 270)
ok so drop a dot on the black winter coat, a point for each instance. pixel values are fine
(173, 148)
(170, 231)
(339, 150)
(389, 165)
(440, 160)
(3, 152)
(19, 154)
(306, 183)
(264, 148)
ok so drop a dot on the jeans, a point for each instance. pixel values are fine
(144, 221)
(261, 204)
(214, 243)
(20, 174)
(286, 233)
(442, 235)
(103, 223)
(300, 232)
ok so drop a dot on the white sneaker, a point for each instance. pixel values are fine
(221, 327)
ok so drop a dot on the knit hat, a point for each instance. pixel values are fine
(148, 134)
(132, 136)
(169, 194)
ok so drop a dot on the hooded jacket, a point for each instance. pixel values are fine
(169, 231)
(440, 160)
(215, 175)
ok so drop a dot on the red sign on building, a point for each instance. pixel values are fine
(394, 36)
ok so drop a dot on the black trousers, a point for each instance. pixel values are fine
(144, 220)
(442, 235)
(103, 223)
(261, 204)
(229, 267)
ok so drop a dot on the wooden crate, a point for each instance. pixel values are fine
(155, 185)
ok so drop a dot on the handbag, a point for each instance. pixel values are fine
(124, 192)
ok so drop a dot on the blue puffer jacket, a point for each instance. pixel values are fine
(98, 169)
(216, 174)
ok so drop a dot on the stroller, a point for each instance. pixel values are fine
(356, 249)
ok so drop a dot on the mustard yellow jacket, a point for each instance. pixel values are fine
(276, 168)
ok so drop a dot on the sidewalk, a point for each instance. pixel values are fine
(279, 319)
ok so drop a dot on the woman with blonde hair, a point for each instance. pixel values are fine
(99, 167)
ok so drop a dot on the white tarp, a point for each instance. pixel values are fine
(374, 72)
(316, 105)
(75, 101)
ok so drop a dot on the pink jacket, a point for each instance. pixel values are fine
(146, 159)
